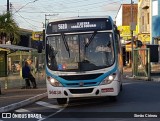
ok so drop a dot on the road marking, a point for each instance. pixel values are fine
(61, 108)
(21, 110)
(48, 105)
(51, 115)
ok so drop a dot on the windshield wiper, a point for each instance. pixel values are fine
(66, 44)
(87, 44)
(90, 39)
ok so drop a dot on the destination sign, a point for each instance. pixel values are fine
(79, 25)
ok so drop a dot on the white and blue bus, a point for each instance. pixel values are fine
(83, 58)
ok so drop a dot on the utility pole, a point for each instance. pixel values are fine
(7, 5)
(47, 19)
(45, 24)
(132, 41)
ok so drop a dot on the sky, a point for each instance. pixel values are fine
(30, 14)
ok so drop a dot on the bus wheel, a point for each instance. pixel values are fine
(61, 100)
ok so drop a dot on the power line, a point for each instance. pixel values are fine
(55, 4)
(70, 11)
(63, 11)
(25, 5)
(91, 4)
(82, 6)
(27, 21)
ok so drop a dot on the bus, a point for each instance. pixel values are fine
(83, 58)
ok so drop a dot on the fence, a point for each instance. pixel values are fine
(155, 65)
(142, 67)
(141, 63)
(14, 71)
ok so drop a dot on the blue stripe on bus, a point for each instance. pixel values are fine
(75, 83)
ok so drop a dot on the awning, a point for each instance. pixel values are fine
(1, 49)
(14, 47)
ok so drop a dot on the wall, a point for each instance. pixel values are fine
(155, 19)
(144, 21)
(127, 14)
(119, 17)
(123, 20)
(144, 16)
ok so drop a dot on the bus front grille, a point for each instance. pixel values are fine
(81, 91)
(81, 77)
(85, 84)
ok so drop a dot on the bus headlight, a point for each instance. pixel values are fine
(108, 79)
(54, 82)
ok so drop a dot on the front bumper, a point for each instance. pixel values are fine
(111, 89)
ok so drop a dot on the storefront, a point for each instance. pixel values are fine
(5, 50)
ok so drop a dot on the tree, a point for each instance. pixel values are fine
(9, 30)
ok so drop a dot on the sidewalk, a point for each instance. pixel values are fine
(127, 74)
(13, 98)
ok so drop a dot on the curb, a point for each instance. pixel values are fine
(155, 79)
(22, 103)
(144, 79)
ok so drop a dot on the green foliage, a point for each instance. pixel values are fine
(9, 28)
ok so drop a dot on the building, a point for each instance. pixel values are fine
(37, 38)
(7, 48)
(25, 37)
(155, 21)
(144, 21)
(123, 20)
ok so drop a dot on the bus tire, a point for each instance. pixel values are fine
(61, 100)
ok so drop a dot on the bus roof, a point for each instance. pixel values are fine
(79, 24)
(81, 17)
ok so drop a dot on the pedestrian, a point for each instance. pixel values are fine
(25, 75)
(32, 72)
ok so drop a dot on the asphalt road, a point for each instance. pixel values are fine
(138, 99)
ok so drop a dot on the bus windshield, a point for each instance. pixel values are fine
(79, 52)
